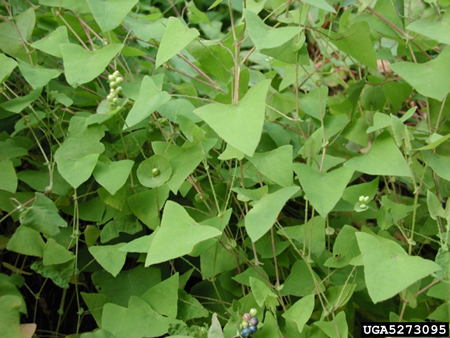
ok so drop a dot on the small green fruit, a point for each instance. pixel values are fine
(155, 172)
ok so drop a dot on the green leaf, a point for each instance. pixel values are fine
(8, 65)
(113, 175)
(429, 78)
(50, 43)
(260, 291)
(322, 4)
(43, 216)
(178, 235)
(336, 328)
(134, 282)
(145, 205)
(189, 307)
(137, 321)
(440, 165)
(109, 257)
(276, 165)
(163, 297)
(315, 102)
(18, 104)
(55, 253)
(300, 282)
(79, 6)
(312, 234)
(388, 269)
(13, 34)
(27, 241)
(214, 258)
(78, 155)
(345, 248)
(323, 190)
(264, 36)
(95, 303)
(141, 244)
(150, 99)
(176, 37)
(215, 329)
(435, 28)
(183, 160)
(10, 149)
(82, 65)
(239, 124)
(300, 311)
(270, 328)
(37, 76)
(383, 158)
(10, 323)
(356, 42)
(128, 224)
(8, 179)
(154, 171)
(110, 13)
(261, 218)
(60, 274)
(98, 334)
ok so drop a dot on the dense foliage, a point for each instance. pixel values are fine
(166, 166)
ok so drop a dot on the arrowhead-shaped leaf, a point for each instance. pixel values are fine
(178, 235)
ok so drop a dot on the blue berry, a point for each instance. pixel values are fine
(246, 332)
(253, 328)
(253, 321)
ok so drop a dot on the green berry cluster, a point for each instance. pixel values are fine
(114, 81)
(249, 323)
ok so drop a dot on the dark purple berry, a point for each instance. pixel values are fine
(246, 316)
(253, 328)
(253, 321)
(246, 332)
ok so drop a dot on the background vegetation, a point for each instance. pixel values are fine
(168, 165)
